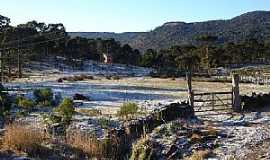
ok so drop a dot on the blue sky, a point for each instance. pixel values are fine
(124, 15)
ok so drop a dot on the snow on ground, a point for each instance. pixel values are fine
(89, 67)
(245, 131)
(102, 95)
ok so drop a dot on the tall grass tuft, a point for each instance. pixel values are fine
(93, 147)
(22, 138)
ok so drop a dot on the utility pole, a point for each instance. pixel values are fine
(2, 67)
(19, 64)
(9, 64)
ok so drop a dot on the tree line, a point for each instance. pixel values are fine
(39, 40)
(207, 55)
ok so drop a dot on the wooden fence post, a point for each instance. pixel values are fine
(236, 102)
(190, 92)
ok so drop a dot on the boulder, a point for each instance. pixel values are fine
(60, 80)
(81, 97)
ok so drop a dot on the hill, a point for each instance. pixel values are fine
(249, 25)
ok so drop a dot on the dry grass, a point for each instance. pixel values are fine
(85, 143)
(195, 138)
(90, 112)
(141, 149)
(181, 84)
(200, 155)
(212, 131)
(21, 138)
(93, 147)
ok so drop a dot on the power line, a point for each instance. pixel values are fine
(35, 43)
(30, 37)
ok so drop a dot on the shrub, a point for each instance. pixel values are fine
(43, 96)
(128, 109)
(25, 103)
(21, 113)
(51, 119)
(23, 139)
(116, 77)
(104, 122)
(66, 110)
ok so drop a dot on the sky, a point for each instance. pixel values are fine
(124, 15)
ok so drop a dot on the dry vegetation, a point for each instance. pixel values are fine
(200, 155)
(93, 147)
(90, 112)
(21, 138)
(180, 84)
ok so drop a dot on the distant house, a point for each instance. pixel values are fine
(107, 58)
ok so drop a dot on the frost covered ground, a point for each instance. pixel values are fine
(248, 133)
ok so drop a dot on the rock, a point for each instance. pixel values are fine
(81, 97)
(60, 80)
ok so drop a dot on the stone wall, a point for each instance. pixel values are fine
(132, 130)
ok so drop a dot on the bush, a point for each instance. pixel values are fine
(21, 113)
(116, 77)
(66, 110)
(51, 119)
(24, 103)
(128, 109)
(44, 96)
(104, 122)
(23, 139)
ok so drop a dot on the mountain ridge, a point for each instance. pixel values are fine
(254, 24)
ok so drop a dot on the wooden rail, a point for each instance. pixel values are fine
(235, 101)
(211, 93)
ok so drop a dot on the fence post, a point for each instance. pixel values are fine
(213, 101)
(236, 102)
(190, 92)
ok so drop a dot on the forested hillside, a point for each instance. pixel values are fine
(250, 25)
(171, 48)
